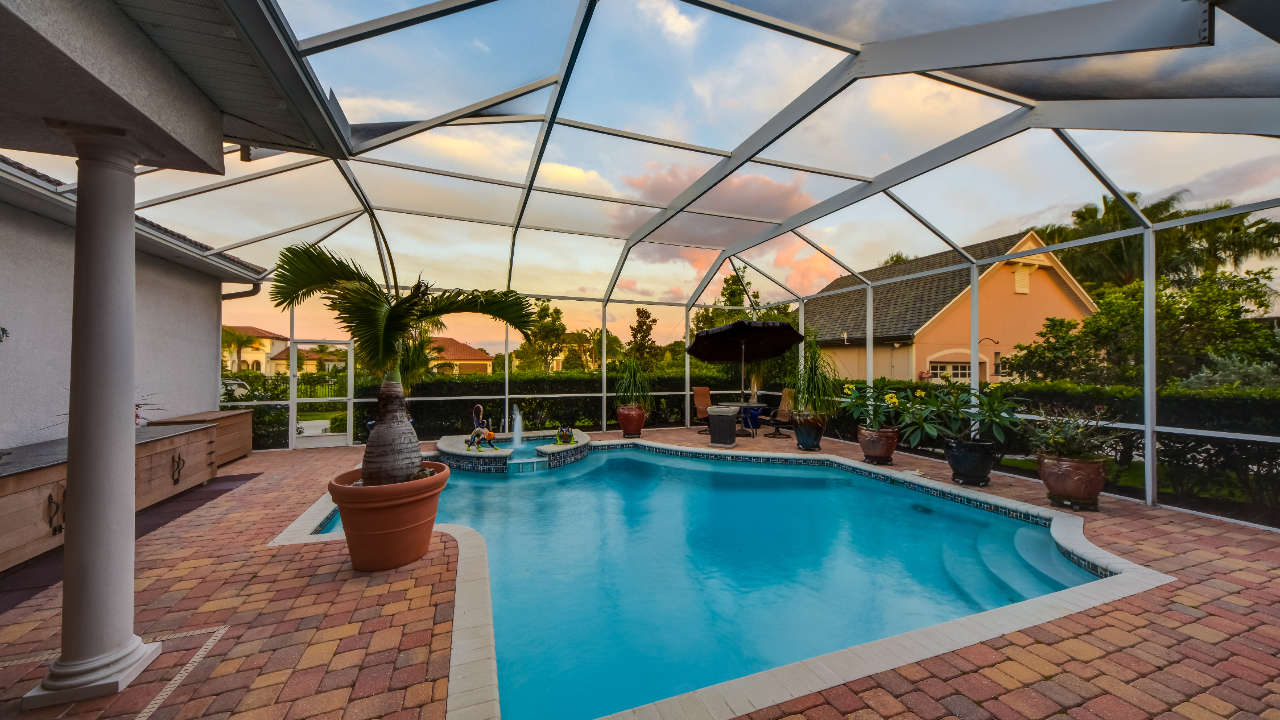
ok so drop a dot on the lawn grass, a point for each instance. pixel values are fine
(317, 415)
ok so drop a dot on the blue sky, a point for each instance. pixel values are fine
(666, 69)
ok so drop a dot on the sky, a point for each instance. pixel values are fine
(673, 71)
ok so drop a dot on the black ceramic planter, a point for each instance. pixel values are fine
(971, 462)
(809, 432)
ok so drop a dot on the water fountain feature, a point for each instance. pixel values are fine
(516, 442)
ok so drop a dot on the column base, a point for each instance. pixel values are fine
(111, 684)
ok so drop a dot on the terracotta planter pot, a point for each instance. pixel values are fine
(970, 461)
(878, 445)
(1072, 482)
(631, 418)
(388, 526)
(809, 430)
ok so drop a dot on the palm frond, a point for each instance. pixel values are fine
(379, 324)
(507, 306)
(306, 270)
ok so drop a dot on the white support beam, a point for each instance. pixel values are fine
(869, 333)
(577, 33)
(831, 257)
(768, 277)
(1258, 14)
(285, 231)
(1103, 178)
(229, 182)
(989, 134)
(1150, 389)
(383, 25)
(628, 135)
(499, 223)
(929, 226)
(453, 115)
(1225, 116)
(496, 120)
(738, 12)
(379, 243)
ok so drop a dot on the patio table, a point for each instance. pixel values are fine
(743, 431)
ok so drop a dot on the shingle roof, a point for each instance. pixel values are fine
(257, 332)
(158, 228)
(901, 308)
(455, 351)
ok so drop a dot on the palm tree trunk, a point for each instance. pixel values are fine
(392, 454)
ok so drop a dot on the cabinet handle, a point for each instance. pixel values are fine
(178, 464)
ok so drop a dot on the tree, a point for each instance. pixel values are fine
(573, 360)
(545, 340)
(234, 341)
(1182, 254)
(420, 351)
(897, 257)
(383, 323)
(1210, 317)
(729, 306)
(642, 347)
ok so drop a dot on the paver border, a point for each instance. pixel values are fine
(473, 662)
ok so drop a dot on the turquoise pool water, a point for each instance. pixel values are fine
(631, 576)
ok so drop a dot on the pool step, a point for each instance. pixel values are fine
(1039, 549)
(1000, 551)
(967, 568)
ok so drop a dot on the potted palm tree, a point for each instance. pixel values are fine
(1069, 448)
(817, 394)
(631, 388)
(388, 506)
(974, 424)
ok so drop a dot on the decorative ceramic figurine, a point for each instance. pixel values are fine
(481, 433)
(564, 436)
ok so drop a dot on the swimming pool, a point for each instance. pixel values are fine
(630, 577)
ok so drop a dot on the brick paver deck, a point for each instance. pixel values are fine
(311, 638)
(308, 637)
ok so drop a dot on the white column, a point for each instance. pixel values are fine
(293, 382)
(801, 318)
(604, 367)
(506, 377)
(351, 390)
(974, 360)
(100, 652)
(1149, 281)
(688, 419)
(871, 332)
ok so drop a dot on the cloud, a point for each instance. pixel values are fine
(631, 285)
(367, 109)
(1228, 183)
(677, 27)
(804, 275)
(568, 177)
(476, 42)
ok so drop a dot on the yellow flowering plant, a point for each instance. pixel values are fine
(875, 405)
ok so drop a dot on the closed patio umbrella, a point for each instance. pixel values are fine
(745, 340)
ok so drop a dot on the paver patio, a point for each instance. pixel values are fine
(309, 637)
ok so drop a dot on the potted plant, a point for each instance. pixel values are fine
(877, 410)
(1069, 449)
(388, 506)
(632, 391)
(980, 422)
(817, 394)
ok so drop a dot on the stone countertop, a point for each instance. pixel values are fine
(53, 452)
(457, 444)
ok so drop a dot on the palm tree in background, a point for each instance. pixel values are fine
(385, 325)
(234, 342)
(1182, 254)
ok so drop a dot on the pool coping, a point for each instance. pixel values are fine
(473, 693)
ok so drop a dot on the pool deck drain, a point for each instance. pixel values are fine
(311, 638)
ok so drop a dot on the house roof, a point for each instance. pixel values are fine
(304, 355)
(455, 351)
(901, 308)
(255, 332)
(154, 227)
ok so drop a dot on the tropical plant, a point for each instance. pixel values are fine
(383, 322)
(234, 341)
(1071, 433)
(631, 387)
(1233, 371)
(545, 340)
(877, 406)
(815, 383)
(419, 352)
(642, 347)
(991, 415)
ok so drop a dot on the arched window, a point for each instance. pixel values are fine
(257, 365)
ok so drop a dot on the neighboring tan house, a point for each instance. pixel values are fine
(262, 357)
(461, 358)
(922, 325)
(271, 355)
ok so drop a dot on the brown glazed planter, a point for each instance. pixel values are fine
(631, 418)
(388, 526)
(1072, 482)
(878, 445)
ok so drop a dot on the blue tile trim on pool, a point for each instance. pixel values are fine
(848, 466)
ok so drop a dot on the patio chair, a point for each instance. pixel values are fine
(702, 401)
(783, 416)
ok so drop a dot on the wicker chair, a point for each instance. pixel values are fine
(783, 416)
(702, 401)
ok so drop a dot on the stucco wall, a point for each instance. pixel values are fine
(178, 336)
(890, 362)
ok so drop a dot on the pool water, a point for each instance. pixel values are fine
(630, 576)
